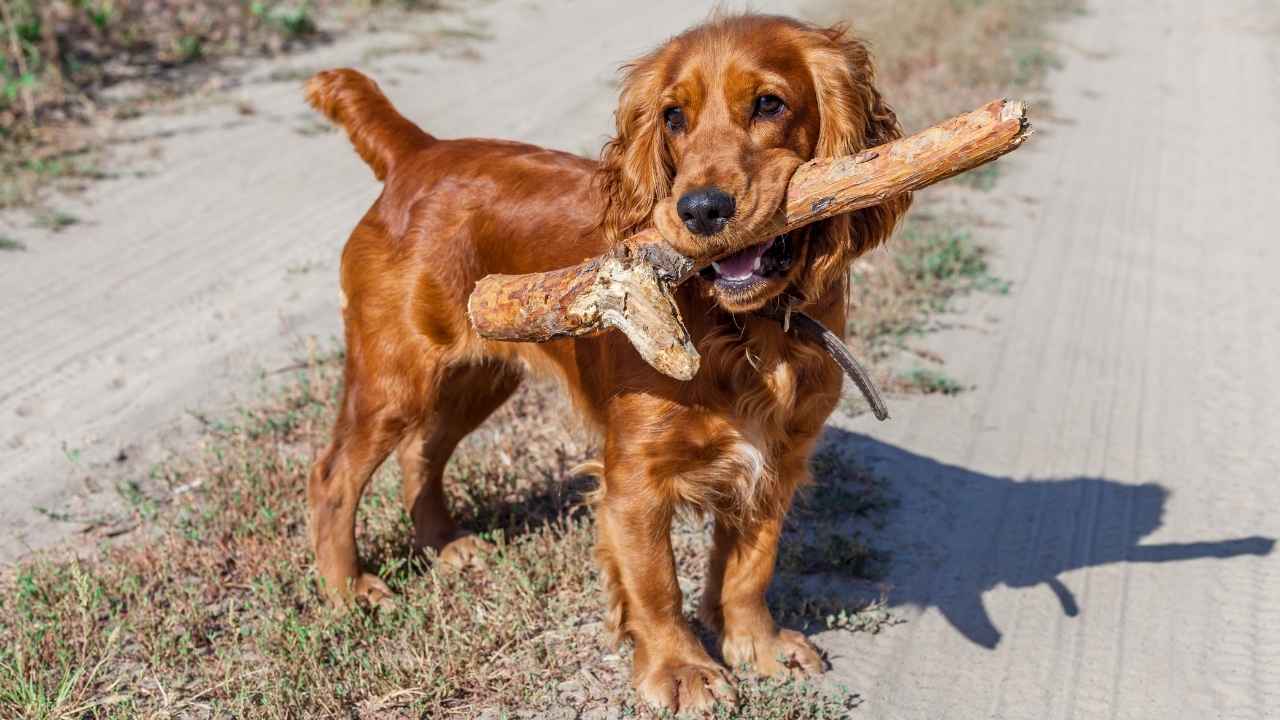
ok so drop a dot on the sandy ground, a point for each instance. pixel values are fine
(1088, 533)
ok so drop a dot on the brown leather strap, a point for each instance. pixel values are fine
(807, 327)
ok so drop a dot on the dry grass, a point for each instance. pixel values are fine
(896, 292)
(56, 56)
(212, 609)
(935, 59)
(216, 612)
(59, 57)
(938, 58)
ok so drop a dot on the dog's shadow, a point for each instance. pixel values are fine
(955, 534)
(952, 534)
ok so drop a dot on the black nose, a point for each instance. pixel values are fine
(706, 211)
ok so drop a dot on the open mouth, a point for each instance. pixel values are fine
(752, 266)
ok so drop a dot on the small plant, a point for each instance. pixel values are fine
(896, 291)
(8, 244)
(871, 619)
(942, 254)
(56, 220)
(188, 48)
(292, 20)
(929, 381)
(100, 13)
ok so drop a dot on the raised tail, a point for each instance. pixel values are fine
(379, 133)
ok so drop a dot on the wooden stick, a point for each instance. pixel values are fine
(629, 289)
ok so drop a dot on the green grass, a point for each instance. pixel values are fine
(55, 220)
(294, 19)
(55, 55)
(897, 293)
(8, 244)
(930, 381)
(26, 170)
(53, 52)
(941, 254)
(827, 538)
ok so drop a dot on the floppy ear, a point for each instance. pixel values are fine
(853, 116)
(636, 170)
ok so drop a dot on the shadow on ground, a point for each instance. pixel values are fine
(957, 534)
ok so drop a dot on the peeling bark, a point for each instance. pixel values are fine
(629, 289)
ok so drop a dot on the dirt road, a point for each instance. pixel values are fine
(1090, 532)
(184, 287)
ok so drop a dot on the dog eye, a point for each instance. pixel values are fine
(674, 118)
(769, 106)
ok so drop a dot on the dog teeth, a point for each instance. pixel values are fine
(716, 265)
(756, 266)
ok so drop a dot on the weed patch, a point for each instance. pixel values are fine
(937, 58)
(58, 57)
(897, 291)
(929, 381)
(934, 60)
(55, 220)
(56, 53)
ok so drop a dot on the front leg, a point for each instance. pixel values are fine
(741, 568)
(672, 670)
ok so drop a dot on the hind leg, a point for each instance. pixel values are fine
(463, 400)
(362, 438)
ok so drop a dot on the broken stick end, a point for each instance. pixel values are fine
(1017, 110)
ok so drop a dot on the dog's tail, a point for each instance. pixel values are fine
(379, 133)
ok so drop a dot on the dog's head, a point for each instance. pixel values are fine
(710, 127)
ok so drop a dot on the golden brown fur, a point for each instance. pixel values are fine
(734, 442)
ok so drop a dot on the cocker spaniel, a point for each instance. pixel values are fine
(710, 127)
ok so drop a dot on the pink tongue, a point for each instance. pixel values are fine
(741, 263)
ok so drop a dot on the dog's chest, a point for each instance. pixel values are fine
(762, 388)
(760, 414)
(753, 435)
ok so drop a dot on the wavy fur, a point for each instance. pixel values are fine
(733, 443)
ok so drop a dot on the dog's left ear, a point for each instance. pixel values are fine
(853, 116)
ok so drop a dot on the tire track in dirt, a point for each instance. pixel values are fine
(1101, 507)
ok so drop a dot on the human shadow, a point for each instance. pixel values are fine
(956, 534)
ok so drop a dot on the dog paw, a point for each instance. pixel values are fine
(686, 687)
(464, 551)
(369, 590)
(784, 653)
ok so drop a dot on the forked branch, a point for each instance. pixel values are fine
(630, 288)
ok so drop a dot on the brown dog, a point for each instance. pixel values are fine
(709, 129)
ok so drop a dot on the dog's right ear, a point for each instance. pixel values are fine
(636, 170)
